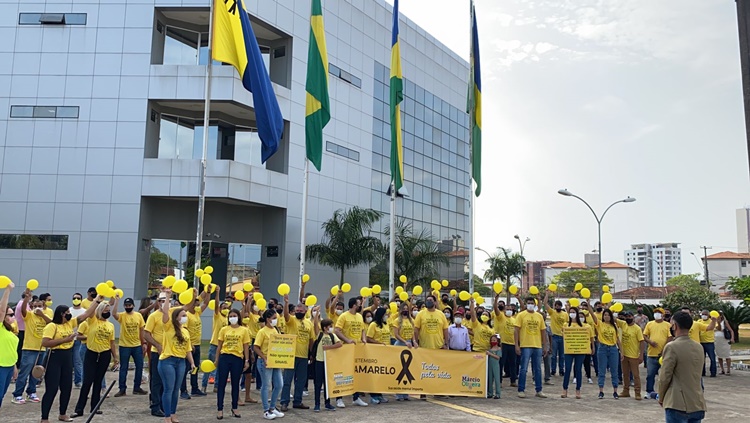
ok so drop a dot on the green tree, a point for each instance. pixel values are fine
(684, 280)
(694, 296)
(347, 242)
(736, 316)
(503, 265)
(159, 262)
(740, 288)
(417, 254)
(567, 280)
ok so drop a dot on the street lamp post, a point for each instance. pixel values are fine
(521, 246)
(599, 219)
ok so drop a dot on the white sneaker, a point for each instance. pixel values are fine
(269, 416)
(359, 402)
(340, 403)
(590, 382)
(21, 401)
(305, 393)
(277, 413)
(574, 381)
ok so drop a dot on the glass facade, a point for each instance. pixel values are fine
(436, 159)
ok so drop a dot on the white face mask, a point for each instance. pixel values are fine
(572, 316)
(458, 320)
(704, 317)
(447, 315)
(508, 313)
(368, 320)
(583, 319)
(255, 308)
(183, 320)
(530, 307)
(414, 313)
(339, 312)
(274, 321)
(233, 320)
(615, 315)
(330, 330)
(657, 316)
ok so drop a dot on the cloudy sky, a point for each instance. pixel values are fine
(607, 98)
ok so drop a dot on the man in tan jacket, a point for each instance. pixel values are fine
(680, 384)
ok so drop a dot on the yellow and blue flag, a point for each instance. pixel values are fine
(234, 43)
(474, 105)
(396, 97)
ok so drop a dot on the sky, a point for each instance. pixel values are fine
(609, 99)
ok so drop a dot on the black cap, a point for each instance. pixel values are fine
(627, 313)
(129, 301)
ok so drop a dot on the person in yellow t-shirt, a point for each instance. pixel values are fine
(154, 334)
(91, 296)
(656, 334)
(233, 359)
(531, 345)
(32, 349)
(269, 377)
(707, 340)
(558, 317)
(632, 351)
(574, 362)
(482, 330)
(176, 349)
(431, 326)
(131, 341)
(297, 325)
(379, 333)
(101, 350)
(325, 340)
(505, 325)
(350, 328)
(608, 352)
(194, 310)
(402, 328)
(8, 343)
(219, 320)
(46, 300)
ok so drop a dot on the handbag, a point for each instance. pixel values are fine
(727, 334)
(38, 370)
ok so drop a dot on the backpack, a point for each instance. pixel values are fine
(317, 342)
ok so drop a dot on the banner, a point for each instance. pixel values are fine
(401, 370)
(281, 351)
(577, 340)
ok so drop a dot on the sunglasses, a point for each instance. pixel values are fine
(11, 315)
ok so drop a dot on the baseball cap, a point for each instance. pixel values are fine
(460, 311)
(129, 301)
(627, 313)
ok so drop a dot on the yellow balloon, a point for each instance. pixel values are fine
(464, 296)
(119, 293)
(311, 300)
(606, 298)
(435, 285)
(208, 270)
(305, 278)
(207, 366)
(585, 293)
(417, 290)
(616, 307)
(399, 289)
(605, 288)
(578, 287)
(403, 296)
(365, 291)
(346, 287)
(206, 279)
(574, 302)
(199, 273)
(110, 293)
(180, 286)
(168, 281)
(239, 295)
(101, 288)
(32, 284)
(212, 304)
(513, 289)
(714, 314)
(393, 306)
(534, 290)
(257, 296)
(477, 296)
(283, 289)
(4, 282)
(454, 292)
(261, 303)
(661, 361)
(444, 283)
(552, 287)
(335, 290)
(247, 287)
(497, 287)
(376, 289)
(212, 288)
(401, 278)
(110, 284)
(186, 297)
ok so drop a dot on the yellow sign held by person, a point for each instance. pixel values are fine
(577, 340)
(401, 370)
(281, 351)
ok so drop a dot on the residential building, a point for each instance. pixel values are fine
(103, 125)
(743, 230)
(656, 263)
(623, 277)
(725, 265)
(534, 275)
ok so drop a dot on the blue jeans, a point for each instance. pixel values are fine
(653, 370)
(299, 375)
(535, 356)
(676, 416)
(212, 357)
(6, 374)
(608, 356)
(171, 371)
(28, 361)
(558, 352)
(125, 354)
(573, 362)
(709, 349)
(508, 362)
(270, 377)
(77, 362)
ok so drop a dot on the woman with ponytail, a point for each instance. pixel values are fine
(269, 377)
(175, 348)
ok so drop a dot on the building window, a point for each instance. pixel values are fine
(344, 75)
(33, 242)
(49, 112)
(52, 19)
(342, 151)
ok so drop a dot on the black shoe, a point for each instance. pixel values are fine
(198, 394)
(601, 395)
(157, 413)
(76, 414)
(120, 394)
(139, 391)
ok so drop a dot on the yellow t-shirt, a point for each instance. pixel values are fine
(324, 341)
(506, 327)
(130, 329)
(14, 326)
(557, 321)
(281, 323)
(482, 335)
(49, 313)
(607, 333)
(253, 326)
(431, 325)
(83, 329)
(155, 326)
(171, 347)
(406, 330)
(32, 340)
(234, 340)
(263, 338)
(99, 334)
(697, 329)
(351, 326)
(195, 326)
(333, 316)
(659, 333)
(707, 336)
(531, 326)
(54, 331)
(304, 331)
(86, 303)
(217, 324)
(382, 335)
(632, 335)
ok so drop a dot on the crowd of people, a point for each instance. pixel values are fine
(75, 346)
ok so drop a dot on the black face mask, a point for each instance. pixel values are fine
(640, 311)
(129, 309)
(501, 307)
(628, 321)
(599, 309)
(299, 315)
(405, 313)
(667, 317)
(429, 304)
(68, 316)
(558, 309)
(280, 310)
(106, 315)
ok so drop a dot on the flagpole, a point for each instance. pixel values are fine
(206, 117)
(392, 245)
(471, 144)
(305, 180)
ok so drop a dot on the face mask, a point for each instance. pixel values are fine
(458, 320)
(274, 322)
(558, 309)
(414, 313)
(629, 321)
(599, 309)
(233, 320)
(704, 317)
(246, 320)
(485, 319)
(279, 311)
(508, 313)
(183, 320)
(299, 315)
(368, 320)
(224, 312)
(255, 308)
(501, 307)
(447, 315)
(330, 329)
(583, 319)
(572, 316)
(615, 315)
(530, 307)
(585, 312)
(493, 343)
(640, 311)
(404, 313)
(48, 303)
(76, 302)
(657, 316)
(429, 304)
(106, 315)
(68, 316)
(339, 312)
(667, 317)
(128, 309)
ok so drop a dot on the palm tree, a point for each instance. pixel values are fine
(504, 265)
(346, 240)
(417, 253)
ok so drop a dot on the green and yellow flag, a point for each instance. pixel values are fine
(317, 105)
(397, 96)
(474, 106)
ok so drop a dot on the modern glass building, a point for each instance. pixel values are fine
(101, 123)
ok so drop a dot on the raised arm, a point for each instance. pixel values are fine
(498, 313)
(4, 300)
(217, 304)
(165, 309)
(473, 313)
(91, 310)
(25, 303)
(286, 308)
